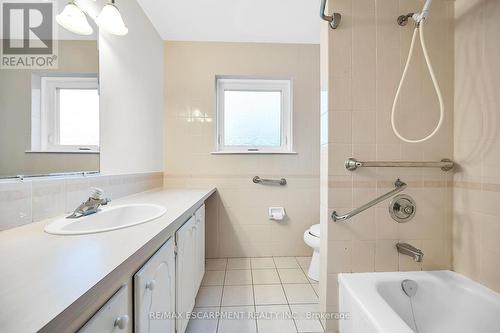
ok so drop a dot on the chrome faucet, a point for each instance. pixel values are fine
(91, 206)
(409, 250)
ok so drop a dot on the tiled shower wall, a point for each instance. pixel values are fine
(476, 214)
(364, 59)
(27, 201)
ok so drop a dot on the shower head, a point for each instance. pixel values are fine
(419, 17)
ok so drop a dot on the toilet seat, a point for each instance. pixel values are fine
(315, 230)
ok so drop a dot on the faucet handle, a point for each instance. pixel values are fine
(96, 193)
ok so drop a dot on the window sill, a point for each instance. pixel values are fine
(254, 152)
(61, 152)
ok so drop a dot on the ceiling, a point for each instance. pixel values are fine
(273, 21)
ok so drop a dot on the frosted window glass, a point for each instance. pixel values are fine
(252, 118)
(78, 117)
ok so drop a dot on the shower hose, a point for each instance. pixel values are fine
(419, 28)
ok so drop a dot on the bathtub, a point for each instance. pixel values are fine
(444, 302)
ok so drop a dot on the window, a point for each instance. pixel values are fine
(254, 116)
(69, 115)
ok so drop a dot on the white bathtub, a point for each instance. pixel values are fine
(445, 302)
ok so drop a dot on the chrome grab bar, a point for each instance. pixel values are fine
(258, 180)
(353, 164)
(400, 186)
(334, 20)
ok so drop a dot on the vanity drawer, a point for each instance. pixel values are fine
(112, 317)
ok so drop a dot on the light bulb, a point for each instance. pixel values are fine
(73, 19)
(111, 21)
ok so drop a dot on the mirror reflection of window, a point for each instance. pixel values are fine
(68, 117)
(78, 117)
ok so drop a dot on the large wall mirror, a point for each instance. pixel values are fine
(49, 114)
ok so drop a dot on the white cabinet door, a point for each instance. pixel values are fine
(185, 271)
(113, 317)
(200, 245)
(190, 267)
(154, 292)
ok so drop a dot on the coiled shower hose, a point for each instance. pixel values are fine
(419, 27)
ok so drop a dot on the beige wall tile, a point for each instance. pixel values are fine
(363, 256)
(386, 256)
(475, 194)
(48, 198)
(340, 127)
(490, 269)
(241, 223)
(363, 130)
(15, 204)
(341, 260)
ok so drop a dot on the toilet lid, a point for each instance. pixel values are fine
(314, 230)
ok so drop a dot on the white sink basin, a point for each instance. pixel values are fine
(108, 219)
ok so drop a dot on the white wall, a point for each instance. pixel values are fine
(131, 70)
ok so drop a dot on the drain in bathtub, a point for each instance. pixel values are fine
(410, 288)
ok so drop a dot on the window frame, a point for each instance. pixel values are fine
(284, 86)
(50, 112)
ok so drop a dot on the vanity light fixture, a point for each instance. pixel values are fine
(73, 19)
(111, 21)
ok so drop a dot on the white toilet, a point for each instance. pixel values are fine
(311, 237)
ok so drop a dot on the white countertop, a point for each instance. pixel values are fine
(41, 274)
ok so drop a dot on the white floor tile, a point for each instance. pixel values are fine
(215, 264)
(306, 317)
(274, 319)
(274, 285)
(237, 295)
(300, 294)
(269, 294)
(237, 320)
(265, 276)
(238, 263)
(262, 263)
(209, 296)
(311, 281)
(286, 262)
(238, 277)
(205, 322)
(213, 278)
(292, 275)
(304, 262)
(316, 288)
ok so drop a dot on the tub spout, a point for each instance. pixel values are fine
(409, 250)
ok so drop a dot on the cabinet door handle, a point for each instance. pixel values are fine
(151, 285)
(121, 322)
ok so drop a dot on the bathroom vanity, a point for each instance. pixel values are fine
(126, 280)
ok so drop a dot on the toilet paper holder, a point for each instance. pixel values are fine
(277, 213)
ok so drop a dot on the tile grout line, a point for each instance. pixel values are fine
(253, 291)
(317, 293)
(221, 297)
(286, 297)
(254, 301)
